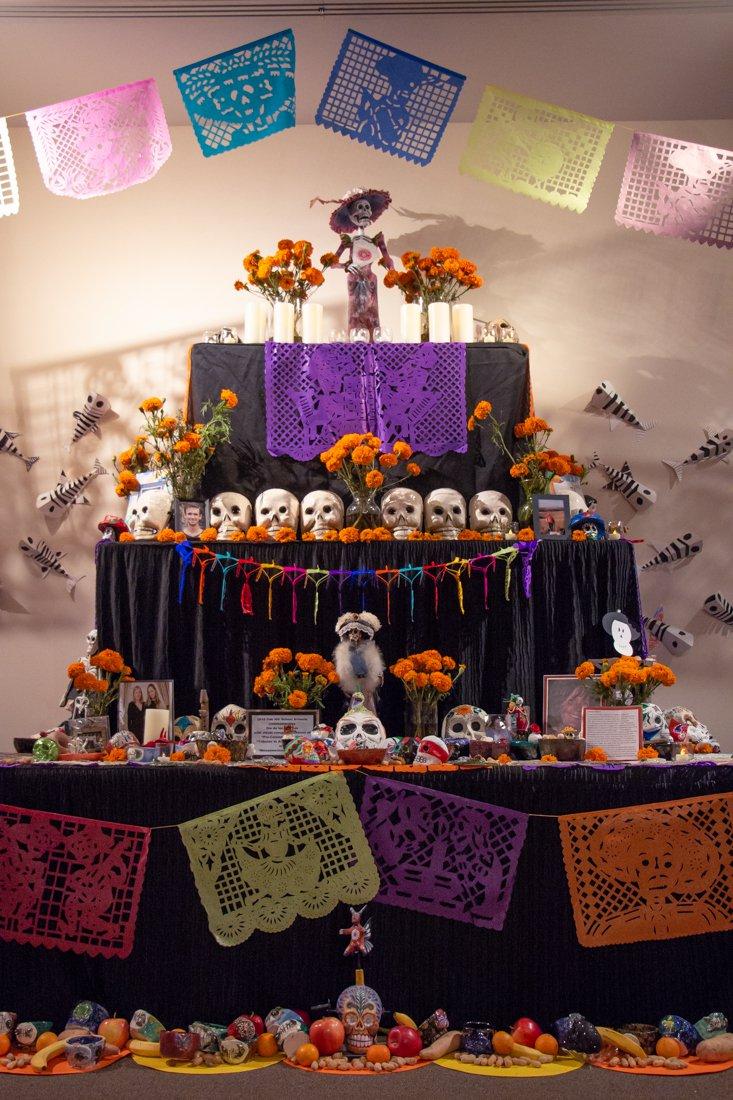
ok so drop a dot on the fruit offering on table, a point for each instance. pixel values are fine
(327, 1035)
(404, 1042)
(342, 1062)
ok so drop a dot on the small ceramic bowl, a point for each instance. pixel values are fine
(84, 1051)
(24, 744)
(477, 1036)
(362, 756)
(179, 1045)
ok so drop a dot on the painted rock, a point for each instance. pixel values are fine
(434, 1026)
(27, 1032)
(209, 1034)
(576, 1033)
(45, 749)
(87, 1014)
(243, 1029)
(234, 1051)
(646, 1035)
(707, 1028)
(84, 1051)
(719, 1049)
(179, 1045)
(680, 1028)
(146, 1027)
(288, 1028)
(8, 1020)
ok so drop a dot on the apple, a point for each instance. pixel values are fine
(305, 1017)
(404, 1042)
(116, 1031)
(257, 1021)
(327, 1034)
(526, 1031)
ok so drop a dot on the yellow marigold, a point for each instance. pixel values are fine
(374, 479)
(402, 450)
(125, 457)
(585, 670)
(209, 534)
(126, 537)
(597, 755)
(280, 655)
(548, 758)
(151, 404)
(362, 455)
(647, 753)
(230, 398)
(109, 660)
(504, 759)
(297, 700)
(441, 682)
(128, 480)
(579, 536)
(519, 469)
(388, 461)
(525, 535)
(217, 754)
(177, 756)
(286, 281)
(182, 447)
(482, 410)
(257, 534)
(413, 469)
(264, 268)
(285, 534)
(349, 534)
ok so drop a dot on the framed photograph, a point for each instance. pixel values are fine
(189, 516)
(618, 730)
(145, 708)
(269, 728)
(551, 516)
(563, 701)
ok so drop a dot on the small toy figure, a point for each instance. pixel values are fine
(591, 524)
(112, 527)
(359, 933)
(358, 659)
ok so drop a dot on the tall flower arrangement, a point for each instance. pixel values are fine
(292, 688)
(100, 690)
(287, 275)
(362, 465)
(626, 681)
(441, 276)
(426, 677)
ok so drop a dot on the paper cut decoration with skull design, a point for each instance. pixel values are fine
(275, 509)
(402, 511)
(490, 512)
(229, 513)
(445, 513)
(148, 513)
(321, 511)
(360, 1009)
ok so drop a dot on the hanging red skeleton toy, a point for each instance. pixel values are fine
(357, 210)
(359, 934)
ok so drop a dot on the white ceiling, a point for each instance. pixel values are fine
(671, 61)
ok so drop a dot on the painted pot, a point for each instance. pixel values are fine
(87, 1014)
(209, 1034)
(179, 1045)
(145, 1027)
(477, 1036)
(84, 1051)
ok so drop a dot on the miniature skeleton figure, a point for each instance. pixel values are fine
(358, 659)
(149, 513)
(74, 701)
(445, 513)
(275, 509)
(229, 513)
(402, 511)
(321, 511)
(490, 512)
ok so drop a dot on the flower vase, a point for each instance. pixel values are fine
(525, 513)
(363, 511)
(421, 718)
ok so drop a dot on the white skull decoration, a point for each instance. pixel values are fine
(359, 728)
(652, 720)
(360, 1009)
(321, 511)
(230, 722)
(490, 512)
(229, 513)
(91, 643)
(466, 721)
(402, 512)
(696, 731)
(275, 509)
(360, 213)
(445, 513)
(149, 513)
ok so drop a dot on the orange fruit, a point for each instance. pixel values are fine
(667, 1047)
(267, 1045)
(45, 1039)
(502, 1042)
(306, 1053)
(546, 1044)
(4, 1045)
(378, 1052)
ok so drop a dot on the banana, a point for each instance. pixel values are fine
(520, 1051)
(405, 1020)
(40, 1060)
(147, 1050)
(623, 1042)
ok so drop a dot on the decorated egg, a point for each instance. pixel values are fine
(145, 1027)
(679, 1028)
(234, 1051)
(87, 1014)
(45, 749)
(574, 1032)
(707, 1028)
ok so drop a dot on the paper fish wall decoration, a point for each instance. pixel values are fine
(673, 638)
(608, 401)
(720, 608)
(8, 447)
(622, 481)
(715, 446)
(87, 419)
(47, 560)
(686, 546)
(65, 492)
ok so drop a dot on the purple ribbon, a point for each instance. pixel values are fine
(526, 551)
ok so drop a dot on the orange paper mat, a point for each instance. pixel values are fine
(59, 1067)
(694, 1068)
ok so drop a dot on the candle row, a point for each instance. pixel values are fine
(445, 322)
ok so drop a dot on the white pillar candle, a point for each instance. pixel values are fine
(283, 325)
(439, 322)
(255, 319)
(156, 725)
(312, 323)
(462, 319)
(410, 322)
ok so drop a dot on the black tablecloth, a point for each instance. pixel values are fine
(498, 372)
(507, 646)
(534, 967)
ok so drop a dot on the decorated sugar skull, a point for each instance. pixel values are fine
(591, 524)
(445, 513)
(652, 719)
(402, 511)
(321, 511)
(466, 721)
(360, 1009)
(275, 509)
(570, 486)
(359, 728)
(694, 730)
(230, 722)
(229, 513)
(490, 512)
(149, 513)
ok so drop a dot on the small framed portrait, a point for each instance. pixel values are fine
(563, 700)
(551, 517)
(189, 516)
(145, 708)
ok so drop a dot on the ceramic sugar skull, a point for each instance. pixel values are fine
(467, 721)
(402, 511)
(230, 722)
(360, 1009)
(229, 513)
(359, 728)
(445, 513)
(591, 524)
(490, 512)
(652, 719)
(275, 509)
(149, 513)
(321, 511)
(695, 731)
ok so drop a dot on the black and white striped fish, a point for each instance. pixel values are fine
(720, 608)
(686, 546)
(65, 493)
(715, 446)
(673, 638)
(622, 481)
(613, 405)
(87, 419)
(47, 560)
(7, 445)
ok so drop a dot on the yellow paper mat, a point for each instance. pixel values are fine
(549, 1069)
(164, 1066)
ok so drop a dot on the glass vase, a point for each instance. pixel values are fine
(421, 718)
(363, 511)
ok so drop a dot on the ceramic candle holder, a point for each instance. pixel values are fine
(145, 1027)
(84, 1051)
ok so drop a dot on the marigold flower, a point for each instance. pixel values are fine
(374, 479)
(280, 655)
(285, 243)
(115, 755)
(125, 457)
(328, 259)
(166, 534)
(362, 455)
(209, 534)
(128, 480)
(313, 276)
(388, 461)
(348, 534)
(333, 465)
(297, 699)
(579, 536)
(177, 756)
(519, 469)
(402, 450)
(126, 536)
(109, 660)
(467, 534)
(505, 758)
(441, 682)
(471, 423)
(525, 535)
(230, 398)
(151, 404)
(257, 534)
(238, 285)
(585, 670)
(285, 534)
(166, 424)
(307, 536)
(391, 279)
(381, 534)
(647, 753)
(309, 662)
(548, 758)
(413, 469)
(597, 755)
(482, 410)
(182, 447)
(328, 536)
(217, 754)
(448, 663)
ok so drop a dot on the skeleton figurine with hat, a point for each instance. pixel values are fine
(357, 210)
(358, 659)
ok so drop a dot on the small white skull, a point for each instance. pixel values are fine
(402, 512)
(321, 511)
(275, 509)
(445, 513)
(230, 722)
(359, 728)
(91, 643)
(360, 213)
(230, 512)
(466, 721)
(149, 513)
(490, 512)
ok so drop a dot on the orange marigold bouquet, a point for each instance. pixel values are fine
(177, 449)
(627, 681)
(441, 276)
(288, 275)
(292, 688)
(362, 465)
(100, 690)
(426, 678)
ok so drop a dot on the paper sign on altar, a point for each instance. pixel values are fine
(70, 882)
(389, 99)
(296, 852)
(9, 197)
(240, 96)
(101, 143)
(677, 189)
(617, 730)
(650, 872)
(536, 149)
